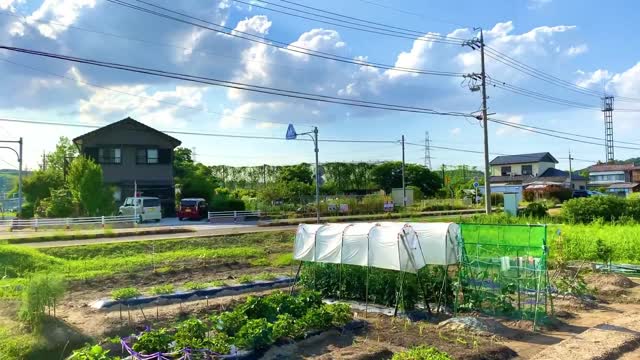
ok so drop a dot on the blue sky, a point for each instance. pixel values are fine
(572, 40)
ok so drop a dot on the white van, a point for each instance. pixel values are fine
(146, 208)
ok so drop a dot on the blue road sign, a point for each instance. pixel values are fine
(291, 132)
(476, 185)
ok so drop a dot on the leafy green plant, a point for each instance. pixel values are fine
(285, 326)
(422, 353)
(218, 283)
(125, 293)
(219, 342)
(265, 276)
(42, 291)
(255, 334)
(603, 251)
(91, 352)
(283, 260)
(194, 285)
(190, 333)
(153, 341)
(162, 289)
(317, 319)
(229, 322)
(245, 279)
(535, 210)
(340, 314)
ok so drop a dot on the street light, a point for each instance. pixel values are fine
(19, 155)
(292, 135)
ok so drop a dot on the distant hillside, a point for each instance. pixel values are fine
(8, 177)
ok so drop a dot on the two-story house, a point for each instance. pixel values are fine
(618, 179)
(132, 153)
(514, 173)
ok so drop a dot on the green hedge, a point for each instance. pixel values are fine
(607, 208)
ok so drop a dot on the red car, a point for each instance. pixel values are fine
(192, 208)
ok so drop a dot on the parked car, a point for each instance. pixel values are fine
(145, 208)
(586, 193)
(580, 194)
(193, 208)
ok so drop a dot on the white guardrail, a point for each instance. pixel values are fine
(232, 215)
(66, 222)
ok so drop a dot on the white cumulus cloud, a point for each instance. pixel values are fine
(577, 50)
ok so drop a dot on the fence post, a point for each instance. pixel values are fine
(35, 224)
(235, 216)
(67, 223)
(103, 221)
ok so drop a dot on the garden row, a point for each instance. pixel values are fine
(254, 325)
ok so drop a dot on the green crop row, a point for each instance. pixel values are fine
(253, 325)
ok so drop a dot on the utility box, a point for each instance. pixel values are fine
(396, 195)
(511, 203)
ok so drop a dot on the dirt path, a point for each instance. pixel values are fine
(531, 344)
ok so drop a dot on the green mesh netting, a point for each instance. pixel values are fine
(503, 271)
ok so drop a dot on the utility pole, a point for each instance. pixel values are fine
(404, 185)
(444, 181)
(487, 187)
(570, 172)
(264, 174)
(315, 142)
(20, 161)
(475, 44)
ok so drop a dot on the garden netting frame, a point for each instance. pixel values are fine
(504, 271)
(409, 242)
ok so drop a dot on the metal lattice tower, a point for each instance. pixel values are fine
(427, 151)
(607, 110)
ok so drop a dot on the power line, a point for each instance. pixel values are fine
(271, 42)
(238, 85)
(407, 12)
(525, 128)
(128, 93)
(405, 34)
(536, 95)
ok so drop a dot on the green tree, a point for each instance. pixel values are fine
(87, 187)
(194, 179)
(296, 173)
(60, 204)
(39, 184)
(388, 175)
(56, 159)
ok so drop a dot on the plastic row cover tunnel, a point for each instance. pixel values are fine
(396, 246)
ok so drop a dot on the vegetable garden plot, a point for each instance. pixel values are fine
(386, 263)
(503, 270)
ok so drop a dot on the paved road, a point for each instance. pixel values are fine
(200, 233)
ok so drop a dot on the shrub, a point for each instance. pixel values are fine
(153, 341)
(89, 352)
(125, 293)
(229, 322)
(255, 334)
(285, 326)
(584, 210)
(529, 195)
(190, 334)
(535, 210)
(223, 204)
(422, 353)
(42, 291)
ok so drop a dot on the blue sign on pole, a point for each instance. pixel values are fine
(291, 133)
(476, 185)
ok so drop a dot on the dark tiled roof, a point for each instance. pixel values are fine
(553, 172)
(612, 167)
(523, 158)
(173, 140)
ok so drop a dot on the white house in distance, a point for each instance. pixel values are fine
(617, 179)
(514, 173)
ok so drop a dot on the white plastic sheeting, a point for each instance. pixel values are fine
(387, 245)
